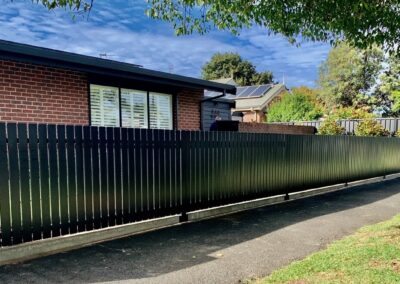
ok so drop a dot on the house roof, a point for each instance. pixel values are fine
(254, 101)
(55, 58)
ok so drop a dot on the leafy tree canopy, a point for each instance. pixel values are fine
(351, 113)
(299, 105)
(362, 22)
(231, 65)
(390, 83)
(74, 5)
(348, 75)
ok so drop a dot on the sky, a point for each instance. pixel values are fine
(121, 30)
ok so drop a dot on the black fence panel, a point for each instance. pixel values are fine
(60, 180)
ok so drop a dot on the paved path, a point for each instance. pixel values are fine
(222, 250)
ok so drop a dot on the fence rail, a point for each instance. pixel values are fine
(390, 124)
(58, 180)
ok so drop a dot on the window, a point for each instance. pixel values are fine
(104, 105)
(160, 111)
(137, 109)
(134, 108)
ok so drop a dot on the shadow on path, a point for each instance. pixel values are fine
(179, 247)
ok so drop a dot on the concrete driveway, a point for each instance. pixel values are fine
(223, 250)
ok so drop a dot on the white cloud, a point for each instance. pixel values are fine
(121, 30)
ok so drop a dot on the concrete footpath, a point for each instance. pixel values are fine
(227, 249)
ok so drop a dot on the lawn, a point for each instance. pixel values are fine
(371, 255)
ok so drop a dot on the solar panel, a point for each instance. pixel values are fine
(240, 91)
(244, 92)
(248, 91)
(261, 90)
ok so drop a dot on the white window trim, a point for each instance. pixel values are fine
(117, 112)
(119, 108)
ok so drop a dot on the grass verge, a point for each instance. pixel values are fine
(371, 255)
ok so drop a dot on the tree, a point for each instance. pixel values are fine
(348, 75)
(390, 84)
(231, 65)
(362, 22)
(351, 113)
(396, 101)
(260, 78)
(74, 5)
(299, 105)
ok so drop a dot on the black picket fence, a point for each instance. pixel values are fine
(59, 180)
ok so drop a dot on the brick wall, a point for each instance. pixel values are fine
(189, 101)
(253, 116)
(275, 128)
(33, 93)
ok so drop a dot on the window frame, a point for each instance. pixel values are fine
(171, 108)
(118, 115)
(173, 114)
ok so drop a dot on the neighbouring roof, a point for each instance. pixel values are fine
(218, 96)
(257, 97)
(55, 58)
(228, 81)
(248, 97)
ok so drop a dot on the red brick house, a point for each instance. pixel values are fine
(48, 86)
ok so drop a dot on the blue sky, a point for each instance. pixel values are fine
(120, 29)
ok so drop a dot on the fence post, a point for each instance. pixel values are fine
(185, 141)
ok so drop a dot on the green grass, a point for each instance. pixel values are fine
(371, 255)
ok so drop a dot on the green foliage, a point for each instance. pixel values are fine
(362, 22)
(398, 133)
(370, 127)
(389, 86)
(231, 65)
(75, 5)
(261, 78)
(351, 113)
(297, 106)
(390, 78)
(330, 127)
(396, 101)
(347, 76)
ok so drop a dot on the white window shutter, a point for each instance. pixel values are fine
(104, 106)
(160, 111)
(134, 108)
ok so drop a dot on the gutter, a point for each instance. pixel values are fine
(213, 98)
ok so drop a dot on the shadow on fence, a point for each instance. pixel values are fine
(59, 180)
(178, 248)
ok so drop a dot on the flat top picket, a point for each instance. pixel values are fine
(24, 181)
(14, 183)
(5, 205)
(66, 179)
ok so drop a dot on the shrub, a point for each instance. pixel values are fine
(397, 134)
(294, 107)
(351, 113)
(370, 127)
(330, 127)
